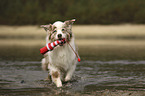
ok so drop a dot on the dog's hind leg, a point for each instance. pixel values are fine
(44, 66)
(45, 63)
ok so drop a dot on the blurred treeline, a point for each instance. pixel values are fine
(22, 12)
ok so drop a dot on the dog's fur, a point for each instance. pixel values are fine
(61, 62)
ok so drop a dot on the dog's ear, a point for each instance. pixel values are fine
(47, 27)
(69, 22)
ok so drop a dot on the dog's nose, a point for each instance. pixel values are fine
(59, 35)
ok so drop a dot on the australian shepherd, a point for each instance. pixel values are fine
(61, 62)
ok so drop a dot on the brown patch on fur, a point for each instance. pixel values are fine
(52, 34)
(51, 37)
(55, 74)
(69, 36)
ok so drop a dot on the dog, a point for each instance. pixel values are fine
(61, 62)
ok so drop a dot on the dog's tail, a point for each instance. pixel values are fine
(44, 64)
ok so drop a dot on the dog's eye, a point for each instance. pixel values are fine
(54, 31)
(63, 29)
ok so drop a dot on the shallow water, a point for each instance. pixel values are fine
(111, 67)
(27, 78)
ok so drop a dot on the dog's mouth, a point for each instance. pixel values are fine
(60, 38)
(62, 42)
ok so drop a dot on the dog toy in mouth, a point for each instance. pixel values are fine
(51, 46)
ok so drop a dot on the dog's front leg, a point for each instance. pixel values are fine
(70, 73)
(55, 75)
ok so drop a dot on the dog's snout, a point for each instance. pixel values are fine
(59, 35)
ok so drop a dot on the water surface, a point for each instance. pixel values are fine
(27, 78)
(103, 67)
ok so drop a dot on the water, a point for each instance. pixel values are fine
(102, 68)
(26, 78)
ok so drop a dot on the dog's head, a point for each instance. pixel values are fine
(59, 30)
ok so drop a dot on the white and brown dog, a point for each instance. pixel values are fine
(61, 62)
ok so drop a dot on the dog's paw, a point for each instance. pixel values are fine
(59, 84)
(67, 79)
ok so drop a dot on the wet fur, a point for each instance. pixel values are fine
(61, 62)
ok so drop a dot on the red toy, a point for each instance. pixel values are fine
(51, 46)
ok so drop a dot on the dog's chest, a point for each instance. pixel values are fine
(62, 56)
